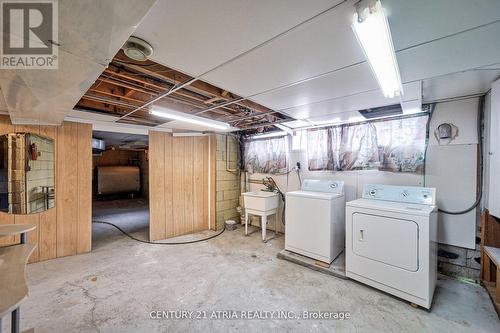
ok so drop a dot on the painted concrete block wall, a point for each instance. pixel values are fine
(227, 182)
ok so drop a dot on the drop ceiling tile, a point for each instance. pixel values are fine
(461, 52)
(106, 27)
(459, 84)
(363, 100)
(196, 36)
(322, 45)
(465, 51)
(344, 82)
(416, 22)
(45, 94)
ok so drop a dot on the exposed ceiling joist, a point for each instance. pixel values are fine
(128, 89)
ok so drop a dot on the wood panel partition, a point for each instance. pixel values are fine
(66, 229)
(181, 170)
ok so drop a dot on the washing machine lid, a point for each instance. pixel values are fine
(391, 206)
(314, 195)
(323, 185)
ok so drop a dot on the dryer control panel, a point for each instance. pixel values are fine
(409, 194)
(319, 185)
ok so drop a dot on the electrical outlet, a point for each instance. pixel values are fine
(298, 165)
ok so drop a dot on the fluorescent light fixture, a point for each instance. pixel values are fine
(269, 135)
(372, 30)
(187, 118)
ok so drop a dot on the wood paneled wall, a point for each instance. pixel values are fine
(66, 229)
(181, 169)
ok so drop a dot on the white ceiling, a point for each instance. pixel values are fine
(195, 36)
(316, 68)
(460, 84)
(298, 57)
(368, 99)
(416, 22)
(317, 47)
(90, 34)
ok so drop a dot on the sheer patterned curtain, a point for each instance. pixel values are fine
(358, 147)
(402, 144)
(266, 155)
(393, 145)
(319, 150)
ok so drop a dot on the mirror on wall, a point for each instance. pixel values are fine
(27, 173)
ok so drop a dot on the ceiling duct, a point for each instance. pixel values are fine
(98, 146)
(383, 111)
(137, 49)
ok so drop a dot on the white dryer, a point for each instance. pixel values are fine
(315, 223)
(391, 241)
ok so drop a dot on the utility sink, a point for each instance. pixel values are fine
(260, 200)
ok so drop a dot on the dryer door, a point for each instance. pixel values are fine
(388, 240)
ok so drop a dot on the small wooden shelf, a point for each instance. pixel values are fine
(490, 257)
(13, 287)
(15, 229)
(491, 276)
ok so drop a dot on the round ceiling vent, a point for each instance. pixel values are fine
(137, 49)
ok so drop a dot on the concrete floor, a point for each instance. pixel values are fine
(132, 215)
(116, 286)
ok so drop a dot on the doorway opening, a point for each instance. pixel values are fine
(120, 186)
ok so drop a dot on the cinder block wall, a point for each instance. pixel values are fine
(459, 261)
(227, 183)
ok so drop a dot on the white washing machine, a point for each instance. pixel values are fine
(315, 224)
(391, 241)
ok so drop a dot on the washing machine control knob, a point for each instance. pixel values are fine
(373, 192)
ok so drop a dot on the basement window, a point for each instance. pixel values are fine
(266, 155)
(396, 145)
